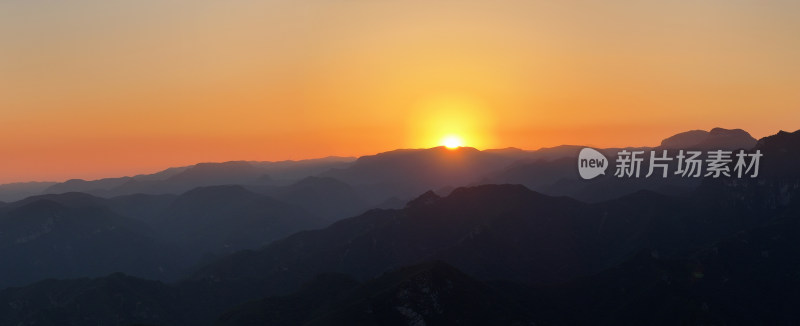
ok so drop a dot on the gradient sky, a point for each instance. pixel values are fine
(91, 89)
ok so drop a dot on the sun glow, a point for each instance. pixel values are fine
(450, 120)
(452, 142)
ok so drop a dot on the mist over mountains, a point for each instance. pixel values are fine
(434, 236)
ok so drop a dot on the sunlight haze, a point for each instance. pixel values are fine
(92, 89)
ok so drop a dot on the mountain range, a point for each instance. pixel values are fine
(404, 174)
(471, 247)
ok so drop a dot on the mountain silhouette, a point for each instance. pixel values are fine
(408, 172)
(492, 231)
(229, 218)
(781, 155)
(204, 174)
(21, 190)
(328, 198)
(69, 199)
(80, 185)
(177, 180)
(86, 235)
(404, 173)
(716, 139)
(44, 239)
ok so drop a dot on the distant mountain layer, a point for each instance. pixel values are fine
(155, 236)
(717, 138)
(224, 219)
(180, 179)
(43, 239)
(402, 173)
(21, 190)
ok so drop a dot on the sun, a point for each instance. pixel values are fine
(452, 142)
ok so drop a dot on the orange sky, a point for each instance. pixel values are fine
(91, 89)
